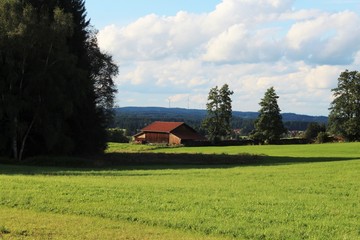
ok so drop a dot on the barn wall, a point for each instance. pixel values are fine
(174, 139)
(183, 129)
(157, 137)
(186, 133)
(140, 137)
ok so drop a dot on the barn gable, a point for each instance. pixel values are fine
(168, 132)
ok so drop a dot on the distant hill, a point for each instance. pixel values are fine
(175, 113)
(135, 118)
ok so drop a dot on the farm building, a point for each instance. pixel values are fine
(168, 132)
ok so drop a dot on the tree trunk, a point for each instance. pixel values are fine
(21, 153)
(14, 140)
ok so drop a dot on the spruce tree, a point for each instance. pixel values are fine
(269, 126)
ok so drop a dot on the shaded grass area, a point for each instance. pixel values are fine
(139, 156)
(151, 161)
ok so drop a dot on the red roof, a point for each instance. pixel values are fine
(166, 127)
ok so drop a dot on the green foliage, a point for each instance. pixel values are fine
(117, 135)
(269, 126)
(313, 130)
(219, 113)
(344, 118)
(311, 200)
(134, 118)
(322, 137)
(35, 67)
(56, 85)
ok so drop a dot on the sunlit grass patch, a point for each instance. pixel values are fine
(25, 224)
(314, 197)
(309, 200)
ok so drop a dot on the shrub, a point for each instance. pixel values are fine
(322, 137)
(117, 135)
(313, 130)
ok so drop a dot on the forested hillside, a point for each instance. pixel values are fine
(134, 118)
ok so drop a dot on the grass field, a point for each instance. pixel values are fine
(309, 150)
(301, 192)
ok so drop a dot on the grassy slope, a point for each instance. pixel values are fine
(297, 201)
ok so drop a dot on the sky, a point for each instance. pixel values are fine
(171, 53)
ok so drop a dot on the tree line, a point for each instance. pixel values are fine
(56, 85)
(57, 89)
(268, 127)
(133, 122)
(344, 117)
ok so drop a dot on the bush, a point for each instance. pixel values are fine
(322, 137)
(313, 131)
(117, 135)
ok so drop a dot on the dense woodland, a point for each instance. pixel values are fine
(56, 85)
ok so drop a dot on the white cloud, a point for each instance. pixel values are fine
(251, 45)
(328, 39)
(179, 97)
(299, 15)
(322, 77)
(239, 44)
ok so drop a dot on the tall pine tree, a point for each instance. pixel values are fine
(87, 124)
(269, 126)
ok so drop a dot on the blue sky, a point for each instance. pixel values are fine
(178, 50)
(107, 12)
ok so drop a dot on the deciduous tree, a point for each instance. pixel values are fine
(219, 113)
(344, 117)
(56, 86)
(34, 66)
(313, 129)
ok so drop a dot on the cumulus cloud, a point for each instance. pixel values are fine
(239, 44)
(322, 77)
(328, 39)
(251, 45)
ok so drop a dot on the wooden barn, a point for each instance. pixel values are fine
(168, 132)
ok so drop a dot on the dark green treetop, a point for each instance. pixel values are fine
(344, 117)
(56, 87)
(313, 129)
(219, 113)
(269, 126)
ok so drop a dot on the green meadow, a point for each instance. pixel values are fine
(296, 192)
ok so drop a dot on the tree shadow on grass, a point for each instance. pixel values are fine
(149, 161)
